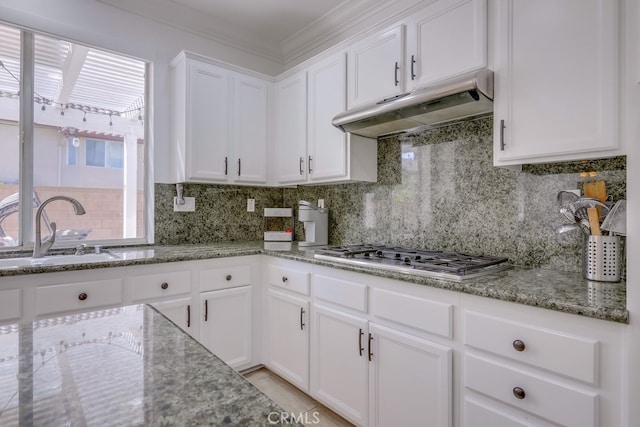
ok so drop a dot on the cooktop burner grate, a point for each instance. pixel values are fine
(425, 262)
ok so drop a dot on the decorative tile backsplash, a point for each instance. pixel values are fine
(438, 189)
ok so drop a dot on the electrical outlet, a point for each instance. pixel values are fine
(321, 203)
(188, 206)
(251, 205)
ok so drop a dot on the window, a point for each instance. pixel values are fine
(83, 112)
(104, 153)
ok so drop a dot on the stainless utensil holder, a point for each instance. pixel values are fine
(601, 258)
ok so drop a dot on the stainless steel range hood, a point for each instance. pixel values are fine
(462, 98)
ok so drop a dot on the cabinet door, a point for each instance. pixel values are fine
(556, 77)
(207, 118)
(250, 129)
(446, 38)
(226, 324)
(339, 359)
(290, 152)
(287, 342)
(409, 380)
(376, 67)
(179, 312)
(327, 97)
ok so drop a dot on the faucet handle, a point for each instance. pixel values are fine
(46, 245)
(80, 249)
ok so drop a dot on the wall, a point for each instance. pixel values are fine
(103, 219)
(438, 189)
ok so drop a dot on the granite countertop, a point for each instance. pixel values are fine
(121, 366)
(556, 290)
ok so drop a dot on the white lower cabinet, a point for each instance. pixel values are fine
(226, 324)
(523, 366)
(371, 366)
(339, 362)
(410, 380)
(178, 311)
(287, 337)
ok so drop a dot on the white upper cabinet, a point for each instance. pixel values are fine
(556, 81)
(308, 148)
(219, 127)
(376, 67)
(250, 129)
(290, 145)
(446, 38)
(443, 39)
(200, 121)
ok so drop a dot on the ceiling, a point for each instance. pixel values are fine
(72, 76)
(277, 29)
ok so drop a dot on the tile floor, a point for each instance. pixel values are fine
(293, 400)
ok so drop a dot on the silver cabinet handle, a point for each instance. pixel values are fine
(413, 71)
(309, 165)
(396, 68)
(301, 165)
(501, 135)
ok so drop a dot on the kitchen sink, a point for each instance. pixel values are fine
(9, 263)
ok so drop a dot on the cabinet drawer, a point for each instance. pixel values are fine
(342, 292)
(150, 286)
(10, 304)
(572, 356)
(227, 277)
(78, 296)
(294, 280)
(419, 313)
(553, 401)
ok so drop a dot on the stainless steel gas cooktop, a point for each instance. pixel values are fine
(421, 262)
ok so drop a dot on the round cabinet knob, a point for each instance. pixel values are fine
(228, 277)
(83, 296)
(164, 285)
(519, 345)
(284, 279)
(519, 393)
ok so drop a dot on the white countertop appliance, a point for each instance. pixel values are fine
(316, 224)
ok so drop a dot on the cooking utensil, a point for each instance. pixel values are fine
(580, 206)
(566, 197)
(595, 190)
(594, 222)
(616, 220)
(565, 212)
(565, 228)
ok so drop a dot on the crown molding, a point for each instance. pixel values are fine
(346, 21)
(194, 22)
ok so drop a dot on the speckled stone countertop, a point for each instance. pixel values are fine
(121, 366)
(556, 290)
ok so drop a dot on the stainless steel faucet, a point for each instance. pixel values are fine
(40, 247)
